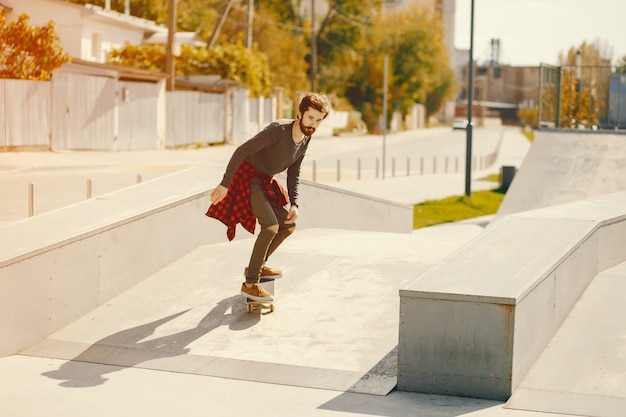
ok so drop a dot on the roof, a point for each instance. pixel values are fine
(189, 38)
(80, 66)
(5, 7)
(125, 19)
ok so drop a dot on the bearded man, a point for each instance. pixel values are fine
(248, 191)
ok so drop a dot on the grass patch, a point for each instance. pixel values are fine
(452, 209)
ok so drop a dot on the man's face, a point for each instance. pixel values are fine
(310, 121)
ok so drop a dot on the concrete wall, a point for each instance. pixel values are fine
(475, 324)
(57, 266)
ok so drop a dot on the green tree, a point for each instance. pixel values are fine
(419, 69)
(341, 39)
(284, 44)
(29, 52)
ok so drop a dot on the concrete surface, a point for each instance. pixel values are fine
(582, 371)
(180, 343)
(485, 314)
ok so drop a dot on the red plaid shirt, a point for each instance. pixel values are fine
(235, 207)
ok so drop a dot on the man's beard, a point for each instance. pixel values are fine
(307, 130)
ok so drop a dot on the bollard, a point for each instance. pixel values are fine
(88, 188)
(408, 166)
(456, 164)
(434, 164)
(446, 166)
(314, 171)
(138, 179)
(31, 199)
(421, 165)
(393, 167)
(358, 168)
(377, 167)
(338, 170)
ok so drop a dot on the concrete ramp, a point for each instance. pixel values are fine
(335, 325)
(562, 167)
(582, 371)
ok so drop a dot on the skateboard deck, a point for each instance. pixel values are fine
(268, 285)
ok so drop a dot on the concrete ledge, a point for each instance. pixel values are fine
(57, 266)
(322, 206)
(474, 324)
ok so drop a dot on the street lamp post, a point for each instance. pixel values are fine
(470, 105)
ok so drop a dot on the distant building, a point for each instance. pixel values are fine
(499, 91)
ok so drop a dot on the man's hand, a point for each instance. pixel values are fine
(218, 194)
(292, 216)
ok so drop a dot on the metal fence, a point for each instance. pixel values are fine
(582, 97)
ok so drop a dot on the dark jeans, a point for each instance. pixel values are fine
(267, 241)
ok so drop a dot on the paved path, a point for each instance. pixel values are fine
(62, 178)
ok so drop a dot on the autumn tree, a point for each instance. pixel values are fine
(229, 61)
(29, 52)
(278, 33)
(585, 72)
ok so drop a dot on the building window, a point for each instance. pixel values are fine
(96, 46)
(497, 72)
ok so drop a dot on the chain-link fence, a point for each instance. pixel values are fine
(582, 97)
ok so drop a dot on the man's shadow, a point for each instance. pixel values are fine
(128, 348)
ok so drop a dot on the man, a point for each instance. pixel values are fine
(248, 192)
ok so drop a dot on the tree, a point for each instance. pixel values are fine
(585, 71)
(29, 52)
(419, 70)
(285, 46)
(621, 65)
(230, 61)
(341, 39)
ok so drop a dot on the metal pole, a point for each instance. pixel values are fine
(249, 24)
(384, 113)
(470, 104)
(169, 53)
(31, 199)
(313, 49)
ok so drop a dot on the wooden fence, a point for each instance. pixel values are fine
(100, 112)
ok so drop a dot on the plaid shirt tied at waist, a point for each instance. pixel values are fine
(235, 207)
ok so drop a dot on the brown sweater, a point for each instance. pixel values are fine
(271, 151)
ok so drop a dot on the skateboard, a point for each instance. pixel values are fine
(252, 305)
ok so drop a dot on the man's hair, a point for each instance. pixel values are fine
(317, 101)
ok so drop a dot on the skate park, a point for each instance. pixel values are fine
(128, 304)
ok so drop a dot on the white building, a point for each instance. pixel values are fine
(86, 32)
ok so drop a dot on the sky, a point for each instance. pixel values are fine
(532, 32)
